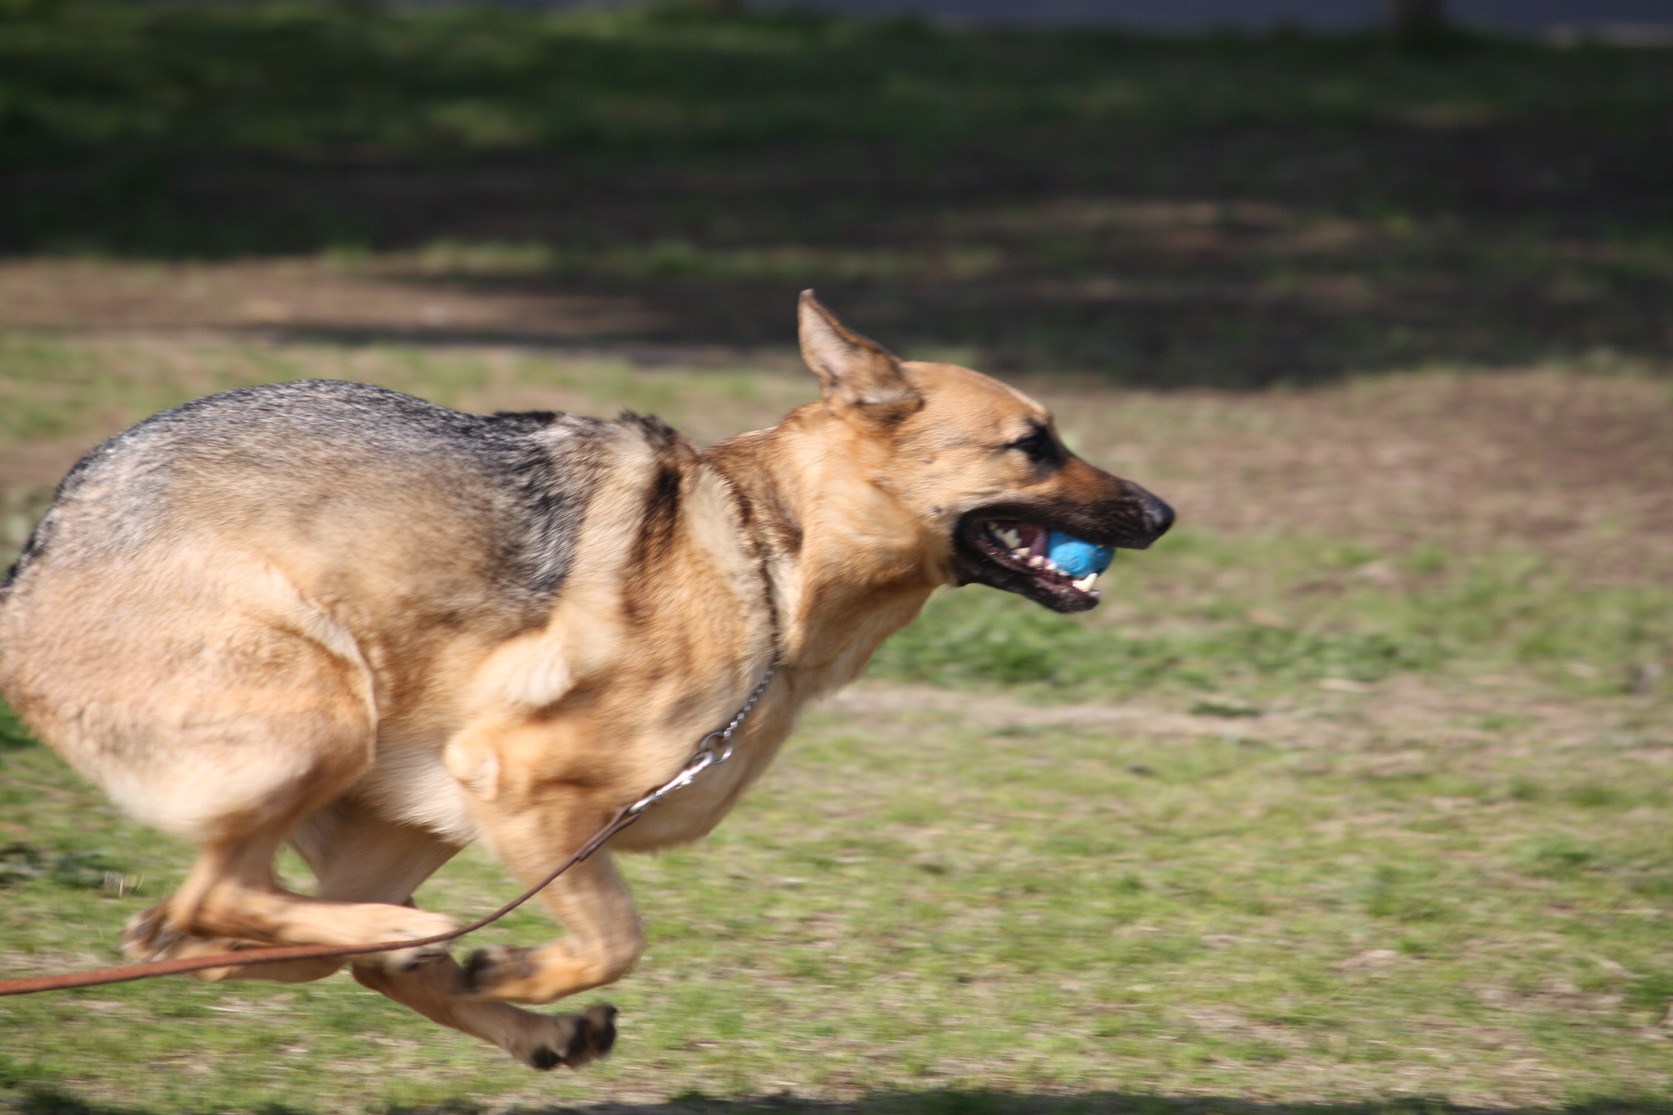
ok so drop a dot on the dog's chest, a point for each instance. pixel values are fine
(692, 810)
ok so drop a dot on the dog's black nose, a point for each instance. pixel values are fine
(1158, 514)
(1146, 517)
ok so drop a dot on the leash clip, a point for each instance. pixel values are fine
(712, 750)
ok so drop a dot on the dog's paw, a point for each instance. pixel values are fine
(415, 925)
(148, 936)
(488, 969)
(573, 1039)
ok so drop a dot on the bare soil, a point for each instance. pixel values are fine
(1574, 465)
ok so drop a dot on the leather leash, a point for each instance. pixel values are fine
(712, 750)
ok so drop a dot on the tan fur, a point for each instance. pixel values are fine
(264, 671)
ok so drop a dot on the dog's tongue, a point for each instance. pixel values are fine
(1075, 557)
(1034, 538)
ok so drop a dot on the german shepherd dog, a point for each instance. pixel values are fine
(334, 615)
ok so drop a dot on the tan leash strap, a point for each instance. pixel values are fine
(275, 953)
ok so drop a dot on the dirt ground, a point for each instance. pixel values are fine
(1574, 464)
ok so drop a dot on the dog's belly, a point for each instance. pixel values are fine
(411, 785)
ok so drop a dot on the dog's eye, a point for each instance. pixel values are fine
(1041, 447)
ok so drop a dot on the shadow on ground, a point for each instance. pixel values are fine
(1227, 211)
(941, 1102)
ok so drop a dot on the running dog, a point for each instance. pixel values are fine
(379, 629)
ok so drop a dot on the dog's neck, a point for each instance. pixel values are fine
(842, 584)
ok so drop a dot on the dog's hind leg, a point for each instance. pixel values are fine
(359, 855)
(286, 743)
(231, 894)
(148, 937)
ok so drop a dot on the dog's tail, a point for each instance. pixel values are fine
(31, 547)
(39, 538)
(9, 579)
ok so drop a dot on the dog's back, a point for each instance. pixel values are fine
(315, 468)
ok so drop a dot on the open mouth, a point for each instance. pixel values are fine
(1024, 557)
(1052, 551)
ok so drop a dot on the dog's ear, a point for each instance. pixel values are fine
(857, 376)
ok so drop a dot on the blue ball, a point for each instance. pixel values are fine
(1075, 557)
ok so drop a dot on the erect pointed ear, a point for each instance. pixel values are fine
(857, 376)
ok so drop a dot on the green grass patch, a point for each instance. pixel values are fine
(1286, 612)
(937, 911)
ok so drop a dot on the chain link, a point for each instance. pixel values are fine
(712, 750)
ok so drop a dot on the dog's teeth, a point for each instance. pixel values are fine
(1036, 561)
(1006, 537)
(1009, 537)
(1085, 583)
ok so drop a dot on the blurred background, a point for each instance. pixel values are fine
(1352, 796)
(1619, 20)
(1307, 191)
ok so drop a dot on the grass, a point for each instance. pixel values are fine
(52, 388)
(1311, 618)
(295, 79)
(1011, 911)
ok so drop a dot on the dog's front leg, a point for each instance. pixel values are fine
(541, 1041)
(604, 936)
(536, 806)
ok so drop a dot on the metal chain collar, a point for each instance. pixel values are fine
(712, 750)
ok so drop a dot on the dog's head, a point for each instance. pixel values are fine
(976, 468)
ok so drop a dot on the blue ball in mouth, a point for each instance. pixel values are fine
(1075, 557)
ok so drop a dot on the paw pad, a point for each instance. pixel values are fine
(580, 1039)
(485, 968)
